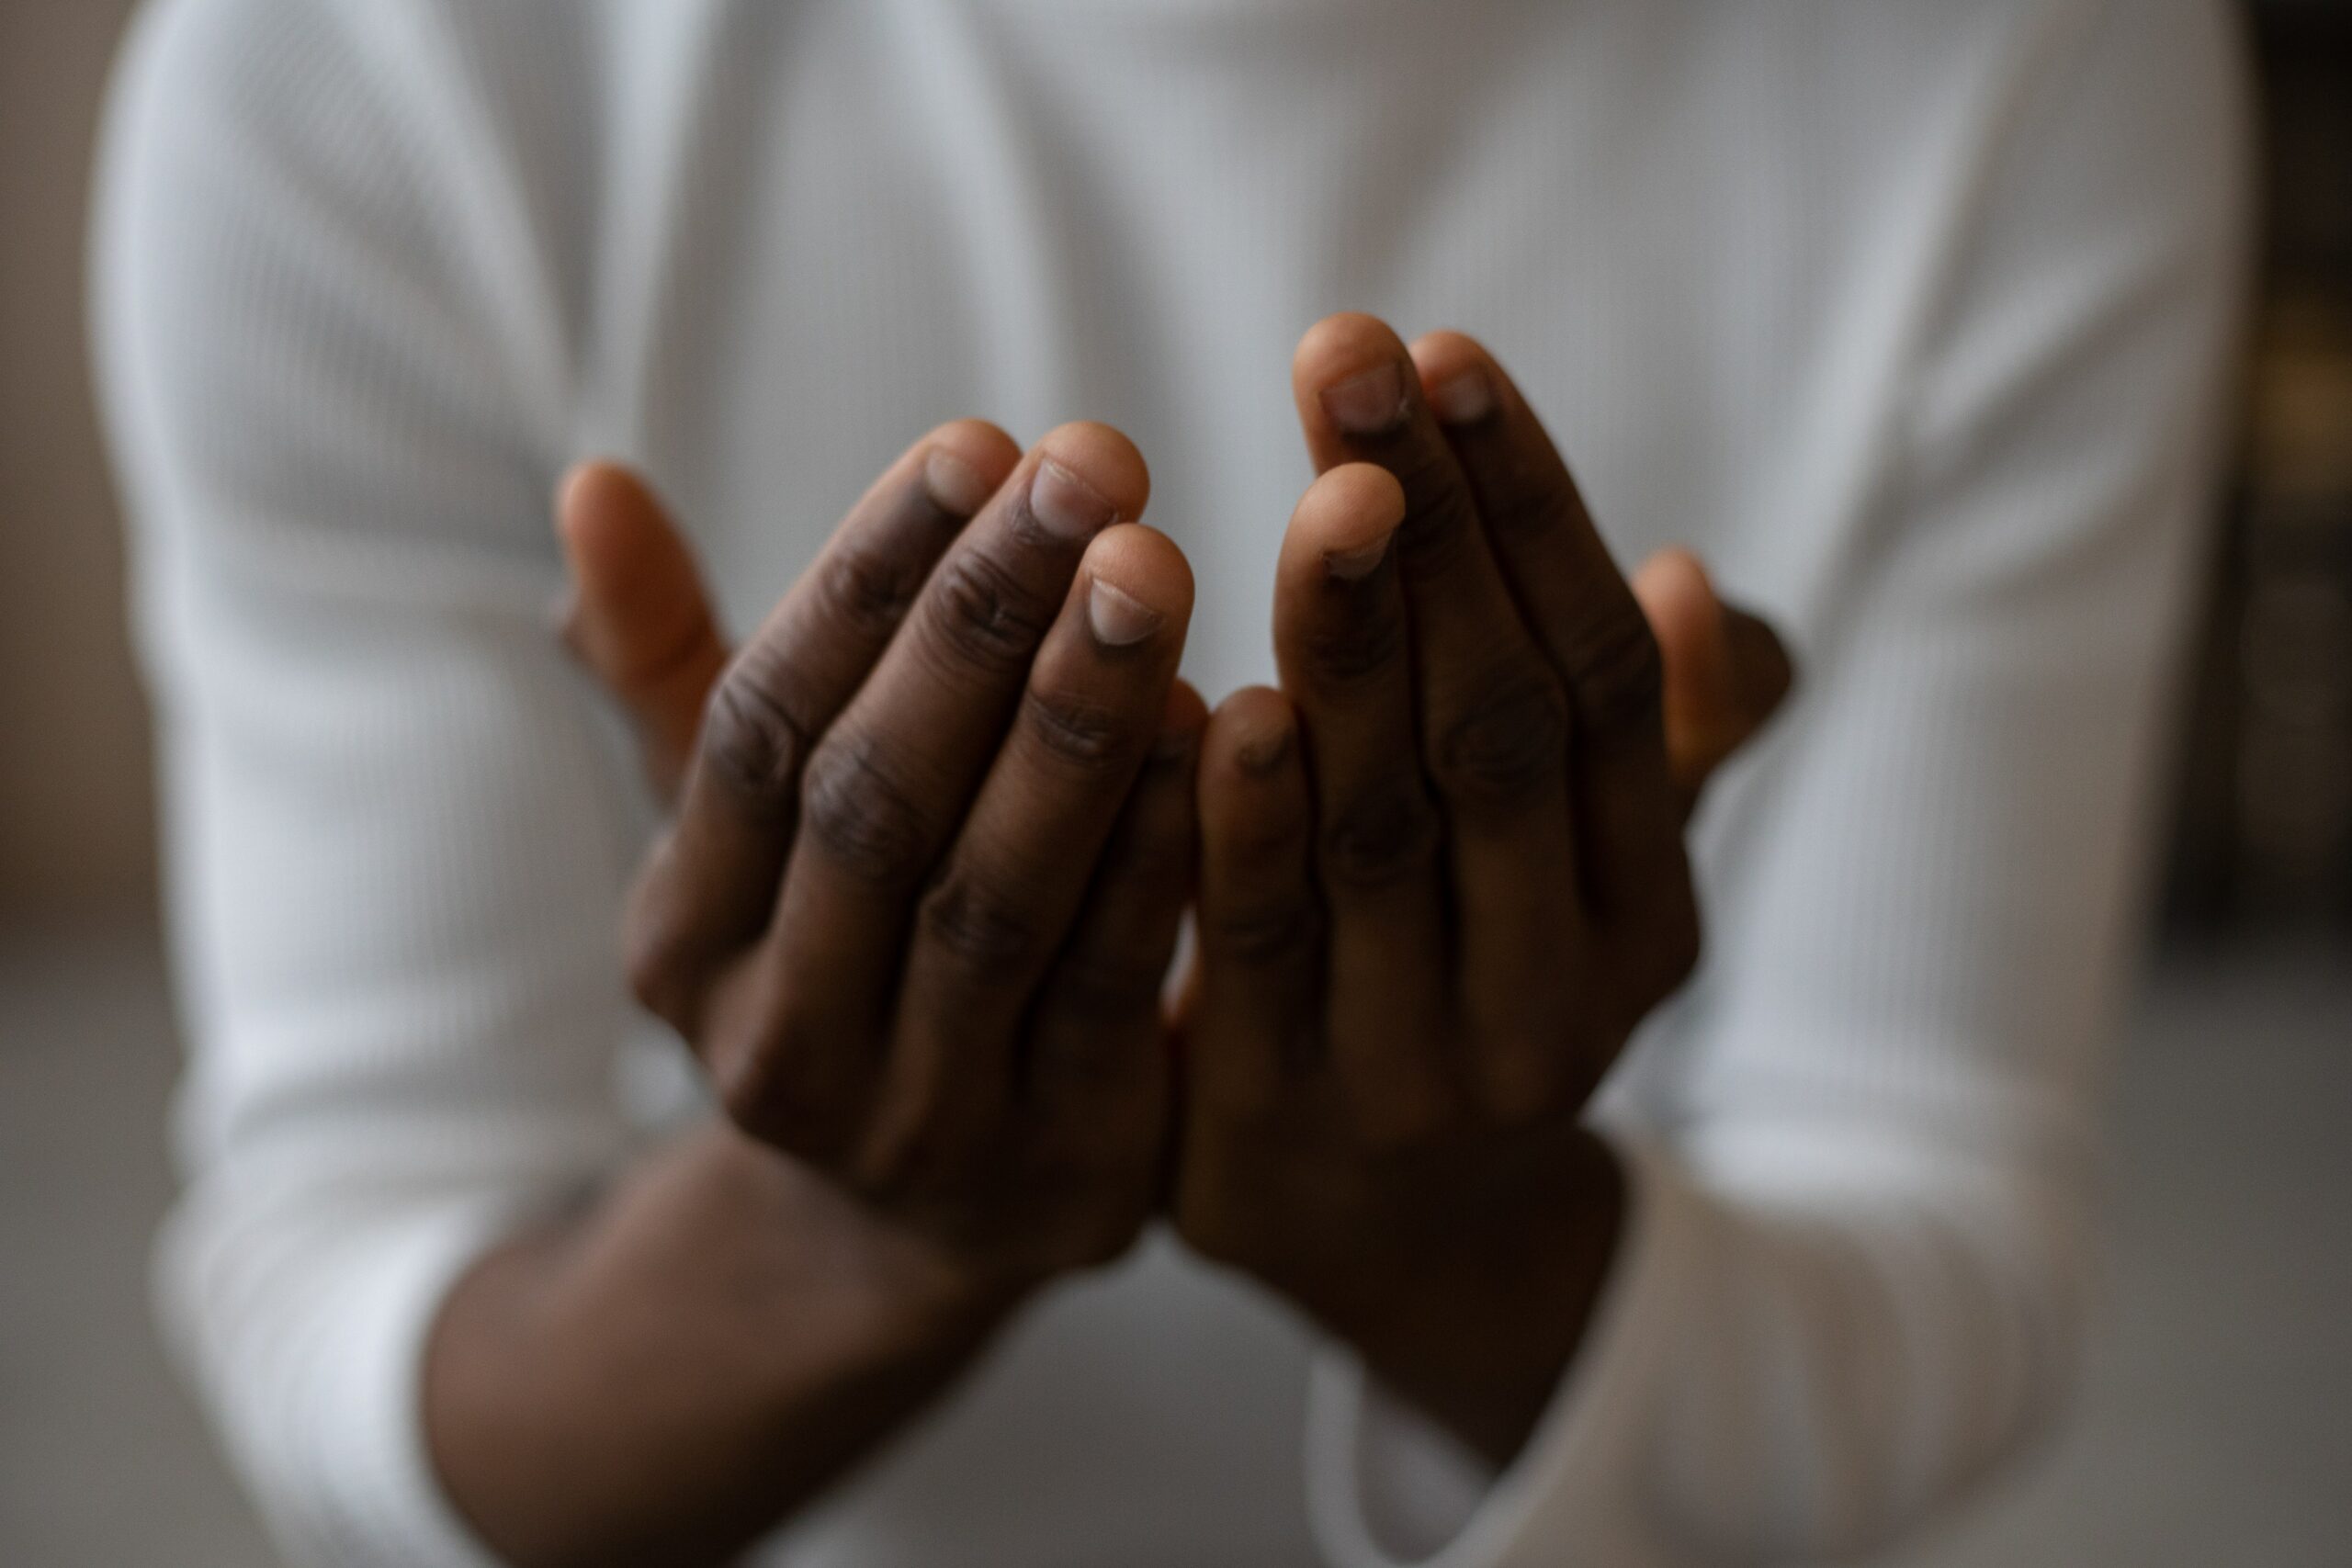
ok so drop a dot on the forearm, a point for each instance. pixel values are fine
(668, 1374)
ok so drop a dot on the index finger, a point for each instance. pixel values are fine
(712, 881)
(1582, 611)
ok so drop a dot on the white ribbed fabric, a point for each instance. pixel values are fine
(1907, 315)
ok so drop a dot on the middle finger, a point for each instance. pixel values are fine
(1493, 720)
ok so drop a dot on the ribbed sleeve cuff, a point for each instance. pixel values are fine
(388, 1507)
(312, 1354)
(1389, 1489)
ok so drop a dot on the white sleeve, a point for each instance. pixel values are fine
(1859, 1234)
(398, 828)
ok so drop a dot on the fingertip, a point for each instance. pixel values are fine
(1342, 346)
(965, 461)
(1346, 518)
(1253, 735)
(1460, 381)
(1679, 599)
(612, 528)
(1148, 581)
(1351, 374)
(581, 497)
(1103, 471)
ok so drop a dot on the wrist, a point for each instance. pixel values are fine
(866, 1291)
(1484, 1333)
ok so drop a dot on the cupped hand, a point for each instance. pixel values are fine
(933, 838)
(1442, 879)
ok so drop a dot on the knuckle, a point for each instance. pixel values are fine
(1266, 935)
(857, 811)
(775, 1083)
(986, 619)
(1091, 739)
(985, 926)
(1616, 675)
(1509, 745)
(867, 589)
(753, 734)
(1385, 834)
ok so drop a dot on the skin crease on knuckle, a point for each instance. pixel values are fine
(987, 622)
(1266, 935)
(870, 589)
(1092, 739)
(1387, 831)
(986, 926)
(1509, 747)
(854, 810)
(753, 736)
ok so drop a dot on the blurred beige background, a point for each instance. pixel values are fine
(75, 835)
(2211, 1428)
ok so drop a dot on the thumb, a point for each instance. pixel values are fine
(637, 617)
(1727, 673)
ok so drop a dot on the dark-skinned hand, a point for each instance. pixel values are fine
(933, 839)
(1442, 881)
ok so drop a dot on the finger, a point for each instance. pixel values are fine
(1727, 673)
(711, 885)
(1004, 902)
(1585, 615)
(638, 615)
(1252, 1018)
(888, 787)
(1097, 1066)
(1341, 641)
(1493, 717)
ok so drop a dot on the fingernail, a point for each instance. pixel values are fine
(1067, 505)
(954, 486)
(1367, 404)
(1118, 617)
(1355, 565)
(1264, 755)
(1464, 400)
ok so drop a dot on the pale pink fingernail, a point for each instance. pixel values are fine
(954, 486)
(1353, 566)
(1465, 399)
(1067, 505)
(1118, 617)
(1367, 404)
